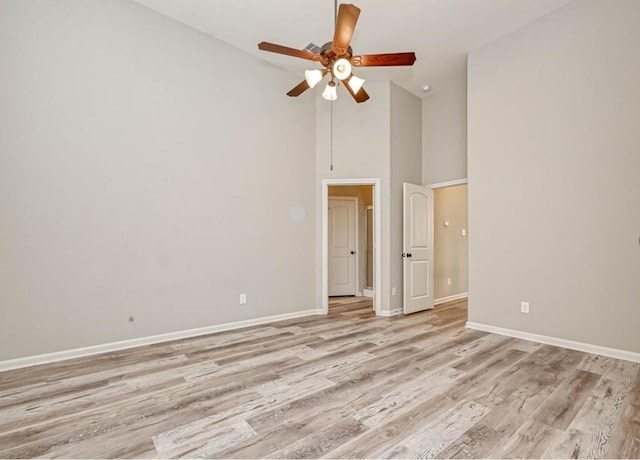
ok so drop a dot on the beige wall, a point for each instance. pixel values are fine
(554, 186)
(444, 133)
(138, 178)
(364, 193)
(450, 248)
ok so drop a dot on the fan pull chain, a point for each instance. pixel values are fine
(331, 136)
(335, 20)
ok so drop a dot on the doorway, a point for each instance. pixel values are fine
(451, 244)
(350, 229)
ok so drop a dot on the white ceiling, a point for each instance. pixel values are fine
(441, 32)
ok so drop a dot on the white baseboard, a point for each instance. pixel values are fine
(397, 311)
(367, 293)
(451, 298)
(564, 343)
(138, 342)
(359, 294)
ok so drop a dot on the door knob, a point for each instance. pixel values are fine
(353, 252)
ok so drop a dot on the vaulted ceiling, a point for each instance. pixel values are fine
(441, 32)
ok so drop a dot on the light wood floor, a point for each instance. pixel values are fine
(346, 385)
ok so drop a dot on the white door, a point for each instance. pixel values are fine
(417, 247)
(342, 246)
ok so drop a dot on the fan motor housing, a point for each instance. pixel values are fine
(329, 56)
(327, 47)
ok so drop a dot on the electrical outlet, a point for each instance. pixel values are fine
(464, 232)
(448, 281)
(243, 299)
(524, 307)
(393, 291)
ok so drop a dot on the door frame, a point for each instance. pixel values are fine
(449, 183)
(356, 277)
(324, 231)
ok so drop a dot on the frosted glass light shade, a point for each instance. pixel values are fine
(355, 83)
(341, 69)
(312, 77)
(330, 93)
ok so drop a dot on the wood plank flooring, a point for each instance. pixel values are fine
(339, 386)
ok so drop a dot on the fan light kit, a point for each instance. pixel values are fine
(338, 60)
(313, 77)
(330, 93)
(355, 83)
(341, 69)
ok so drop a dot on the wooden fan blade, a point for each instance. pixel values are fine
(360, 96)
(273, 48)
(298, 90)
(345, 25)
(371, 60)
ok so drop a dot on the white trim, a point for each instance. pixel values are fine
(451, 298)
(449, 183)
(555, 341)
(46, 358)
(367, 292)
(356, 241)
(397, 311)
(377, 254)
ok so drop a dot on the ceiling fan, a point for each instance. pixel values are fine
(337, 58)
